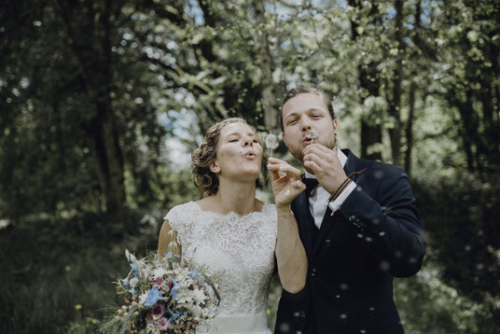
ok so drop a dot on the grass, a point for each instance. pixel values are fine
(57, 277)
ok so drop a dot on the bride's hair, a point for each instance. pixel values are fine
(203, 156)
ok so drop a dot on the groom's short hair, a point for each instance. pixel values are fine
(327, 99)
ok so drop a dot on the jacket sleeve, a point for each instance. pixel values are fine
(388, 223)
(292, 311)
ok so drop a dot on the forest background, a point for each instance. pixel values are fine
(101, 102)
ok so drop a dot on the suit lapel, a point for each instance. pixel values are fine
(300, 208)
(328, 221)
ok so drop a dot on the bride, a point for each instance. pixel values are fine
(233, 236)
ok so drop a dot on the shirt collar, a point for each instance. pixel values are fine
(342, 158)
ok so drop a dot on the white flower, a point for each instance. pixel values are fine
(199, 296)
(142, 297)
(159, 272)
(130, 257)
(184, 298)
(151, 328)
(272, 141)
(133, 282)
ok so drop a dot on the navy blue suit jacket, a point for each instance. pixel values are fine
(375, 236)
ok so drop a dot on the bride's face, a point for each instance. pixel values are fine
(239, 154)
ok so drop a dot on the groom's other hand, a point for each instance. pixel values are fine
(325, 164)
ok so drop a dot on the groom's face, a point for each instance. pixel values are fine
(305, 114)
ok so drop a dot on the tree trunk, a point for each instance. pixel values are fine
(96, 73)
(413, 90)
(409, 127)
(269, 101)
(395, 102)
(110, 161)
(371, 133)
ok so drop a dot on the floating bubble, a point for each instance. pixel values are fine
(385, 265)
(284, 327)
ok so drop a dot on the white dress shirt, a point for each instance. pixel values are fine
(319, 200)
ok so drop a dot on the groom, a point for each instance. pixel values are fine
(359, 226)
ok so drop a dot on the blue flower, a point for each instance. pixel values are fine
(135, 271)
(153, 297)
(194, 275)
(174, 316)
(175, 289)
(125, 282)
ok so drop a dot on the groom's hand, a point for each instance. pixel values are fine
(287, 186)
(325, 164)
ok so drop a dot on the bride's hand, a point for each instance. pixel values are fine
(288, 186)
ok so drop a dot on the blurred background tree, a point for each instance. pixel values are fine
(101, 102)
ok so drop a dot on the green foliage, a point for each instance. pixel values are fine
(60, 272)
(461, 217)
(427, 305)
(94, 98)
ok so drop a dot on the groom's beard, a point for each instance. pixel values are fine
(298, 152)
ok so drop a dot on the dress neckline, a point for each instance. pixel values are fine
(230, 214)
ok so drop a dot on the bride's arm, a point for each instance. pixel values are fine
(290, 252)
(167, 241)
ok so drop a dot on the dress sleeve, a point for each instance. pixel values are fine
(178, 221)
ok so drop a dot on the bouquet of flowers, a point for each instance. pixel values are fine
(162, 296)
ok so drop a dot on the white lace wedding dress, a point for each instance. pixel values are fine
(238, 252)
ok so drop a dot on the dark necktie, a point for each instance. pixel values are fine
(311, 185)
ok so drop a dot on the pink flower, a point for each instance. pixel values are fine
(159, 282)
(162, 324)
(157, 311)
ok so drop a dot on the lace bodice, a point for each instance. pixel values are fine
(237, 251)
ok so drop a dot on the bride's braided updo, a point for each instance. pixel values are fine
(205, 154)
